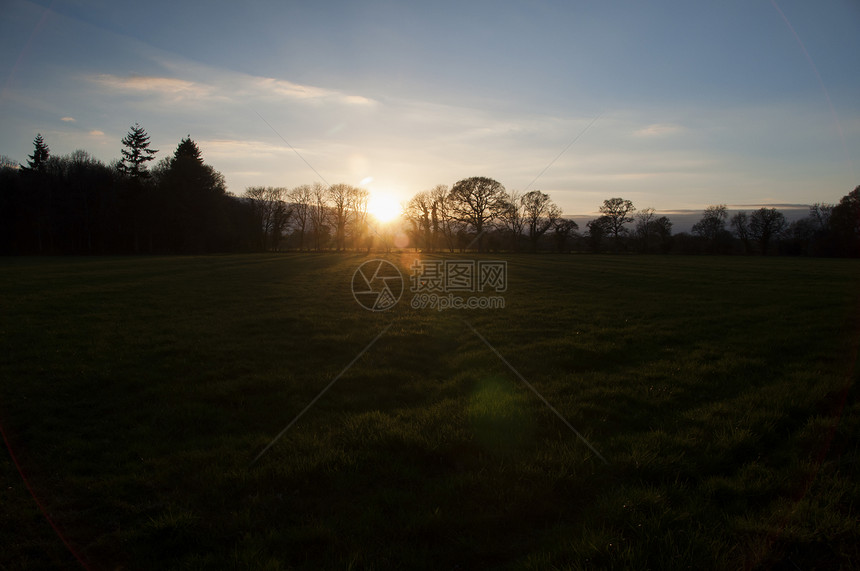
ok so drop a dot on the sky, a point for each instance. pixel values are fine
(673, 105)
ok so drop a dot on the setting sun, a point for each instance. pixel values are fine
(383, 207)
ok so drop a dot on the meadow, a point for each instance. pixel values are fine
(135, 394)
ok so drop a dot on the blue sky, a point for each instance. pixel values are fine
(697, 103)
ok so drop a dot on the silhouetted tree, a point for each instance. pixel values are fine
(616, 212)
(192, 194)
(418, 212)
(597, 232)
(765, 224)
(319, 214)
(741, 227)
(442, 217)
(301, 198)
(643, 229)
(358, 225)
(844, 224)
(661, 227)
(713, 222)
(512, 216)
(273, 214)
(40, 155)
(477, 202)
(136, 153)
(541, 214)
(563, 230)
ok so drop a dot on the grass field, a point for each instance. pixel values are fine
(135, 393)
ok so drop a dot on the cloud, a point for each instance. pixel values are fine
(267, 86)
(67, 119)
(236, 149)
(658, 130)
(175, 89)
(97, 133)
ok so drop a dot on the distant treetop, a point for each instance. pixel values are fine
(188, 149)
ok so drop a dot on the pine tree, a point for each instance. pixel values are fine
(40, 155)
(188, 149)
(136, 153)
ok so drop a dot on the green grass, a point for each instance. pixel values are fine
(722, 391)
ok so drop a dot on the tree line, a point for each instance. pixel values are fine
(76, 204)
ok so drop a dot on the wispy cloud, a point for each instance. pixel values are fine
(97, 133)
(658, 130)
(173, 88)
(268, 87)
(67, 119)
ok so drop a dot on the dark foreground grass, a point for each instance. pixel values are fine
(722, 392)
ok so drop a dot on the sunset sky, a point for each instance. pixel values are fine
(689, 103)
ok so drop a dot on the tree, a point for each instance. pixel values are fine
(563, 229)
(597, 231)
(8, 163)
(662, 228)
(41, 153)
(820, 212)
(136, 153)
(442, 216)
(357, 222)
(741, 227)
(513, 217)
(541, 214)
(191, 197)
(346, 203)
(844, 223)
(477, 202)
(419, 213)
(766, 223)
(338, 198)
(643, 229)
(319, 214)
(616, 212)
(273, 214)
(300, 203)
(712, 223)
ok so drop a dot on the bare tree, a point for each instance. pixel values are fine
(820, 212)
(477, 202)
(563, 229)
(300, 199)
(339, 198)
(765, 224)
(644, 226)
(273, 213)
(741, 226)
(540, 213)
(419, 213)
(712, 223)
(442, 218)
(616, 212)
(357, 218)
(513, 217)
(319, 213)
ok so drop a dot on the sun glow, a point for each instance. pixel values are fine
(383, 207)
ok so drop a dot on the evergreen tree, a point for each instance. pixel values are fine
(40, 155)
(187, 149)
(136, 153)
